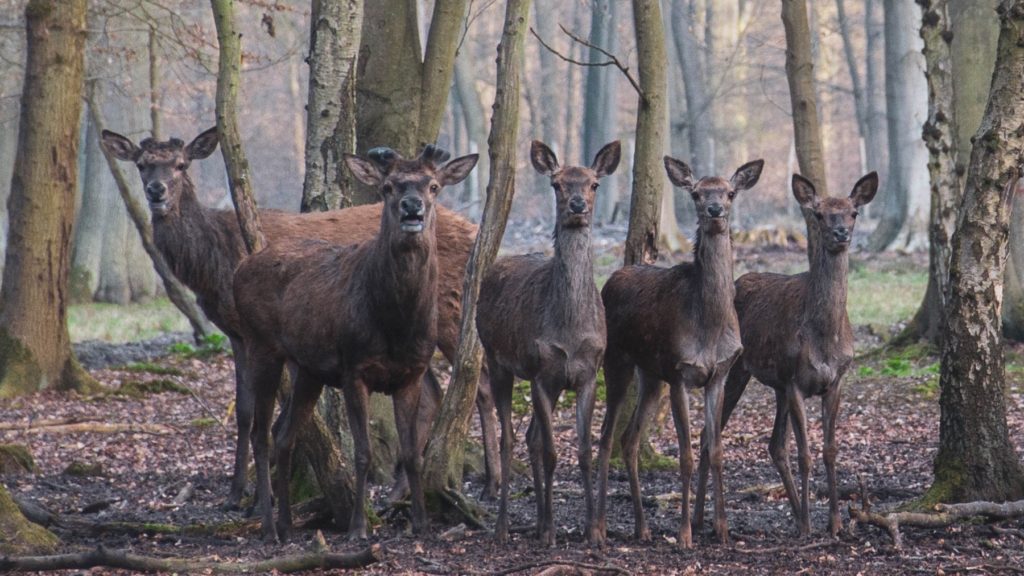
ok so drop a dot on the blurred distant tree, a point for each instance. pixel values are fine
(476, 127)
(35, 349)
(600, 110)
(699, 126)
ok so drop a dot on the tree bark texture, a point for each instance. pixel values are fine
(976, 460)
(698, 114)
(17, 534)
(476, 127)
(235, 161)
(600, 109)
(35, 349)
(648, 180)
(876, 147)
(940, 137)
(334, 36)
(446, 27)
(810, 152)
(444, 455)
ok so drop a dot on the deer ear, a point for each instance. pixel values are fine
(543, 159)
(803, 191)
(747, 175)
(119, 147)
(864, 190)
(607, 159)
(203, 145)
(457, 170)
(364, 170)
(678, 172)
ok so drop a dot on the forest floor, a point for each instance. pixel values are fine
(170, 461)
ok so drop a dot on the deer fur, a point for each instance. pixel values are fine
(203, 246)
(797, 339)
(675, 325)
(361, 318)
(541, 319)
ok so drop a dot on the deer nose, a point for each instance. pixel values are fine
(156, 191)
(412, 205)
(577, 205)
(715, 210)
(841, 234)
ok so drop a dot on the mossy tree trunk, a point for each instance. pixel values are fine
(18, 536)
(35, 349)
(976, 460)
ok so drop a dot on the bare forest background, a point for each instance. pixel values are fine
(151, 67)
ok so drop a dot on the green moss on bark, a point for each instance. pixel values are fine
(16, 459)
(19, 372)
(18, 536)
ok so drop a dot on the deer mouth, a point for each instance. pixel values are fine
(160, 208)
(412, 222)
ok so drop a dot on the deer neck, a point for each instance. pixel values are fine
(572, 289)
(825, 309)
(404, 275)
(715, 288)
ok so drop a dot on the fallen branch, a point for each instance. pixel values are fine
(120, 559)
(777, 549)
(66, 427)
(948, 514)
(553, 567)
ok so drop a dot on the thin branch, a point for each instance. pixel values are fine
(611, 568)
(613, 61)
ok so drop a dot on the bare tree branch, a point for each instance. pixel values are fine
(613, 61)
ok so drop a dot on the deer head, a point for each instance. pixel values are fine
(575, 186)
(163, 165)
(836, 216)
(409, 187)
(713, 195)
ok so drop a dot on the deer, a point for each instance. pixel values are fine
(797, 340)
(361, 318)
(203, 246)
(541, 319)
(675, 325)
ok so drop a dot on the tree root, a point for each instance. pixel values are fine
(120, 559)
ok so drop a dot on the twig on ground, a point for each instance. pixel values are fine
(948, 514)
(777, 549)
(561, 564)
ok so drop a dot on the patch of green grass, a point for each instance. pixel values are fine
(203, 422)
(884, 298)
(128, 323)
(213, 344)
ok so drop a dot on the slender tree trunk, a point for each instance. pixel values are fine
(698, 111)
(599, 101)
(154, 86)
(876, 146)
(859, 98)
(473, 112)
(334, 36)
(444, 455)
(976, 460)
(35, 349)
(87, 248)
(228, 78)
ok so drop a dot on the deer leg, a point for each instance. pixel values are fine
(648, 390)
(406, 400)
(681, 415)
(429, 402)
(616, 378)
(830, 419)
(713, 400)
(798, 418)
(357, 407)
(489, 436)
(501, 383)
(585, 400)
(264, 373)
(778, 451)
(305, 392)
(244, 407)
(735, 384)
(543, 458)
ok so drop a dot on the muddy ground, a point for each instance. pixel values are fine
(175, 470)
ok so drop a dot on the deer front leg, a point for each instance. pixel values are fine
(735, 384)
(543, 458)
(305, 392)
(713, 400)
(681, 416)
(798, 418)
(778, 451)
(648, 391)
(830, 420)
(357, 407)
(616, 377)
(585, 400)
(406, 402)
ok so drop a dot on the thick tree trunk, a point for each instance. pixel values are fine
(35, 349)
(976, 460)
(648, 178)
(334, 36)
(444, 455)
(19, 536)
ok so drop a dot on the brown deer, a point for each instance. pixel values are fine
(675, 325)
(541, 319)
(362, 318)
(797, 339)
(203, 246)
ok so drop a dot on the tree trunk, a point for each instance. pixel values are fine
(859, 98)
(19, 535)
(35, 349)
(599, 102)
(976, 460)
(87, 248)
(473, 112)
(940, 132)
(235, 161)
(648, 178)
(699, 121)
(334, 36)
(876, 146)
(444, 454)
(806, 129)
(446, 27)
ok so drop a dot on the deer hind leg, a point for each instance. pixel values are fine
(778, 451)
(429, 402)
(830, 418)
(648, 393)
(616, 377)
(244, 407)
(735, 384)
(798, 417)
(357, 407)
(406, 401)
(485, 406)
(263, 371)
(305, 392)
(586, 397)
(541, 438)
(501, 386)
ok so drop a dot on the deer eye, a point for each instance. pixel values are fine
(594, 186)
(434, 187)
(386, 188)
(819, 215)
(732, 195)
(855, 214)
(695, 196)
(182, 167)
(556, 186)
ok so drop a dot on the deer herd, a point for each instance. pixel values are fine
(358, 299)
